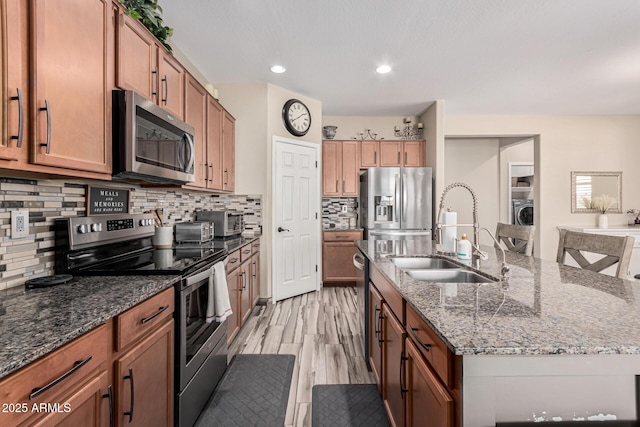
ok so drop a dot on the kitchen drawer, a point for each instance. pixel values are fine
(144, 317)
(245, 253)
(255, 246)
(389, 294)
(342, 236)
(434, 350)
(54, 374)
(233, 261)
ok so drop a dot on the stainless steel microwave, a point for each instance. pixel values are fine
(149, 144)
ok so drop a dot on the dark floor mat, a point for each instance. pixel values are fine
(347, 405)
(253, 392)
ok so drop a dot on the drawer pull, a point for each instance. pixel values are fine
(109, 395)
(76, 366)
(153, 316)
(233, 260)
(342, 237)
(246, 251)
(412, 331)
(130, 378)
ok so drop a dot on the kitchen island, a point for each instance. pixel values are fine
(552, 342)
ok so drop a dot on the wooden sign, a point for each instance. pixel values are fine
(107, 201)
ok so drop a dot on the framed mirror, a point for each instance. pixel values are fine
(587, 185)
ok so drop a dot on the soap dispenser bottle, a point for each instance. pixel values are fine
(464, 248)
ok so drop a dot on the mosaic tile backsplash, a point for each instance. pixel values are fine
(33, 256)
(333, 216)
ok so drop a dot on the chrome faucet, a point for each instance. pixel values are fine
(505, 270)
(439, 225)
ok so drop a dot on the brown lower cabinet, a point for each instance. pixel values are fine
(119, 373)
(393, 391)
(243, 282)
(338, 249)
(427, 399)
(413, 367)
(144, 381)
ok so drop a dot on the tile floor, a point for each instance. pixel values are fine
(322, 331)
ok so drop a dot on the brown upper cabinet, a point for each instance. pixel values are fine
(228, 151)
(145, 66)
(195, 114)
(392, 153)
(340, 168)
(60, 123)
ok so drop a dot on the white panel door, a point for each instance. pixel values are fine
(296, 224)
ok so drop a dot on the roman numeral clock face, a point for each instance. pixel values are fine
(296, 117)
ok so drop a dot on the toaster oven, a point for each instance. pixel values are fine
(199, 231)
(225, 223)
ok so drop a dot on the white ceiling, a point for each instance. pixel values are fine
(481, 57)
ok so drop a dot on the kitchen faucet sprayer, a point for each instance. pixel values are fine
(439, 224)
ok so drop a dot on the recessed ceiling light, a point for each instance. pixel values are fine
(278, 69)
(383, 69)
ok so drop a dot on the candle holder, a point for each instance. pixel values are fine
(367, 135)
(409, 131)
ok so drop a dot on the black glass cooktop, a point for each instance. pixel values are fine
(118, 260)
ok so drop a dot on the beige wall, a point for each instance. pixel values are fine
(475, 162)
(433, 119)
(565, 144)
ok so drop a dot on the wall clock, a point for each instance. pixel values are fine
(296, 117)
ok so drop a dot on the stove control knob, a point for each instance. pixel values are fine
(83, 228)
(149, 221)
(96, 227)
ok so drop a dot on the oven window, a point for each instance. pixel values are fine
(197, 329)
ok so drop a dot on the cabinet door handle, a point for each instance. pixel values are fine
(154, 73)
(131, 388)
(226, 177)
(376, 329)
(109, 395)
(405, 158)
(76, 366)
(380, 319)
(20, 118)
(375, 157)
(403, 390)
(398, 157)
(255, 266)
(211, 179)
(244, 281)
(154, 315)
(412, 331)
(166, 90)
(47, 108)
(336, 185)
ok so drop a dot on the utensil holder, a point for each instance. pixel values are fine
(163, 237)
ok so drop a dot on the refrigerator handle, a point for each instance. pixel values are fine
(397, 199)
(404, 198)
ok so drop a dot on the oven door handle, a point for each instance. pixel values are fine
(200, 276)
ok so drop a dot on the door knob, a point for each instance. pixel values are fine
(280, 229)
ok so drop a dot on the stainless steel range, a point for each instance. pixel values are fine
(121, 245)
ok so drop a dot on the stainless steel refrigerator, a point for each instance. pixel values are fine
(396, 203)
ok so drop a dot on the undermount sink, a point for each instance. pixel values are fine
(448, 276)
(411, 263)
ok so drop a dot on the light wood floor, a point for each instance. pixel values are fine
(322, 331)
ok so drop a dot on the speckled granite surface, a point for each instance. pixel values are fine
(232, 244)
(36, 322)
(545, 308)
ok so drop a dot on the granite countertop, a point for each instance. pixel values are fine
(37, 321)
(544, 308)
(232, 244)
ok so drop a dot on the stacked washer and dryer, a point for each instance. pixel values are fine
(521, 193)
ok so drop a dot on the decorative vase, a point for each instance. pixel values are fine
(329, 131)
(603, 221)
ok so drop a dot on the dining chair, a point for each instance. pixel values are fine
(517, 238)
(616, 249)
